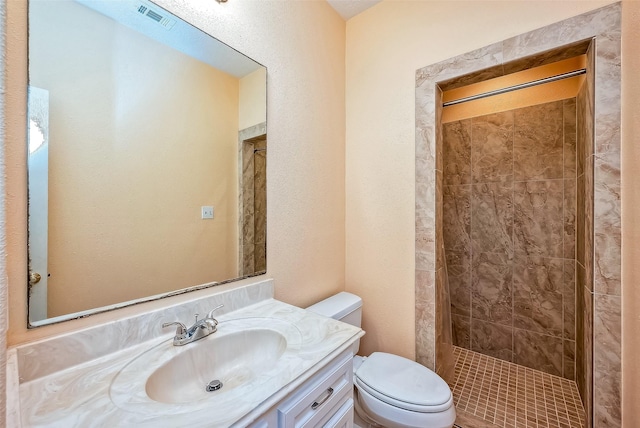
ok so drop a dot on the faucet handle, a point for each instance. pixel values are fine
(210, 314)
(180, 331)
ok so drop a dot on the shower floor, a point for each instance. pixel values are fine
(505, 394)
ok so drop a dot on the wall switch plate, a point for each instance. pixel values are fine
(207, 212)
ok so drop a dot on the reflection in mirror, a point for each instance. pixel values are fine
(146, 156)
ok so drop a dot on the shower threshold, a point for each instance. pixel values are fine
(489, 392)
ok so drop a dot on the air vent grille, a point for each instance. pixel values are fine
(167, 23)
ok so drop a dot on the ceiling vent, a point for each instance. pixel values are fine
(145, 10)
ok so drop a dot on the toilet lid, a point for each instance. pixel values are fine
(403, 383)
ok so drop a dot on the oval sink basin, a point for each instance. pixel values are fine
(243, 354)
(234, 360)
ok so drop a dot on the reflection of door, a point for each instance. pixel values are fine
(38, 138)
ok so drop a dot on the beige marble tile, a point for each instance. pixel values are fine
(459, 274)
(461, 331)
(538, 351)
(457, 218)
(569, 360)
(492, 217)
(569, 300)
(491, 288)
(569, 117)
(607, 361)
(456, 152)
(492, 147)
(492, 339)
(569, 213)
(538, 283)
(538, 224)
(538, 142)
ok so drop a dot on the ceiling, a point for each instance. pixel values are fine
(350, 8)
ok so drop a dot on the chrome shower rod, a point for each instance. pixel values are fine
(516, 87)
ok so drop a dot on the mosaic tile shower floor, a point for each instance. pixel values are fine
(508, 395)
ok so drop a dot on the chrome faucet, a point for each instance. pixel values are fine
(201, 328)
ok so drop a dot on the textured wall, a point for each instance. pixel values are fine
(305, 168)
(509, 210)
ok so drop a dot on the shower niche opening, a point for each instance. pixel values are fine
(516, 209)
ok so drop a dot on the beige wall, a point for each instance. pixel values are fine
(630, 213)
(135, 151)
(385, 46)
(253, 99)
(306, 160)
(4, 307)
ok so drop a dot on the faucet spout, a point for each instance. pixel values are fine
(201, 328)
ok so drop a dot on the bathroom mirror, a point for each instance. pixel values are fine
(146, 158)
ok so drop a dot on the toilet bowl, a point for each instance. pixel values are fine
(391, 391)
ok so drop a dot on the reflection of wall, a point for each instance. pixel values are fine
(132, 160)
(509, 234)
(253, 99)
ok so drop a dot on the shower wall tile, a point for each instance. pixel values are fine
(538, 284)
(580, 220)
(456, 150)
(538, 351)
(461, 331)
(569, 125)
(492, 219)
(445, 363)
(538, 224)
(492, 147)
(607, 361)
(569, 211)
(491, 288)
(456, 219)
(538, 142)
(588, 223)
(607, 226)
(587, 356)
(425, 296)
(608, 91)
(459, 273)
(569, 360)
(569, 299)
(491, 339)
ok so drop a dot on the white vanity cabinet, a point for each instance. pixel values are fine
(325, 400)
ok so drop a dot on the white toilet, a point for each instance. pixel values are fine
(391, 391)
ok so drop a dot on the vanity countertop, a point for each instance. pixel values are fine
(82, 395)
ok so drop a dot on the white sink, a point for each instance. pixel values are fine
(242, 354)
(233, 359)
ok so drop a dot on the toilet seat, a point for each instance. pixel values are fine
(403, 383)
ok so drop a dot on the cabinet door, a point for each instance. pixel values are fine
(321, 397)
(343, 417)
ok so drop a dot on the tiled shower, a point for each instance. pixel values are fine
(509, 234)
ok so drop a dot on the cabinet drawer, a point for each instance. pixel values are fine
(343, 417)
(313, 404)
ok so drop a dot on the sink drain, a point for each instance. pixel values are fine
(214, 385)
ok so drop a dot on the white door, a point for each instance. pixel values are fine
(38, 165)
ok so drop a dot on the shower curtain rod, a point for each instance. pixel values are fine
(516, 87)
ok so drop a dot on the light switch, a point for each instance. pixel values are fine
(207, 212)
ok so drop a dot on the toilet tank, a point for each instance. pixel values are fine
(345, 307)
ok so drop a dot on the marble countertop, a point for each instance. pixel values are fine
(105, 392)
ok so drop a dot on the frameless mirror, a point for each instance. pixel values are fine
(146, 158)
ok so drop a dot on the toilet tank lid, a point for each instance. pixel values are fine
(337, 306)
